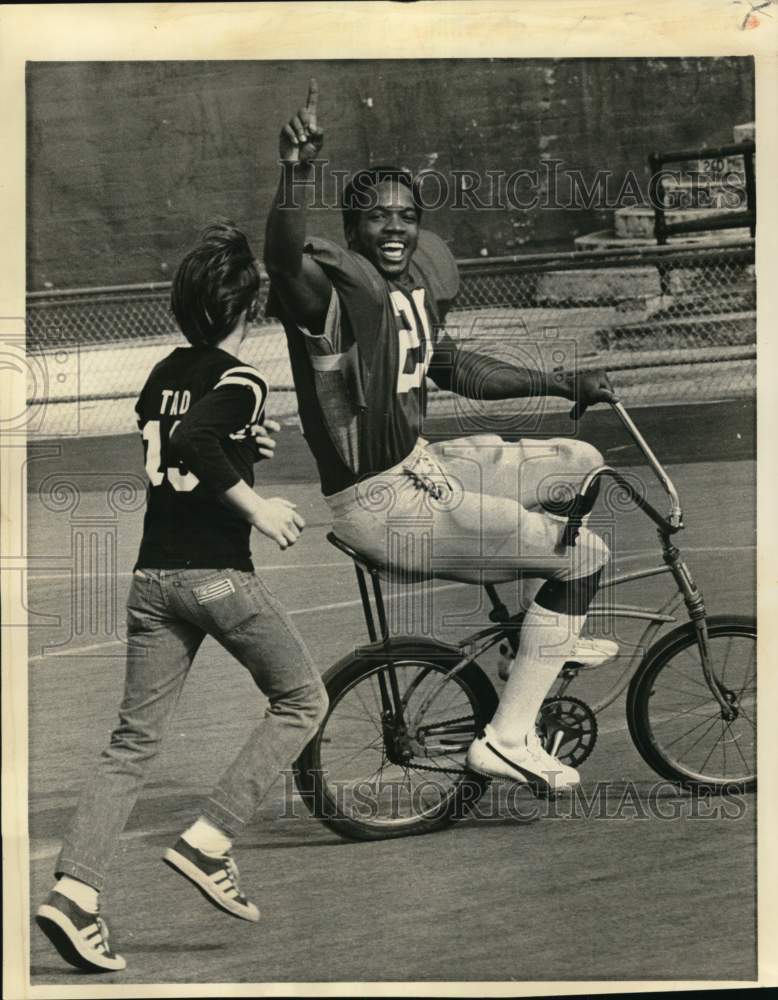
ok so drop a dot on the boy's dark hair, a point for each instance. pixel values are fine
(213, 284)
(359, 193)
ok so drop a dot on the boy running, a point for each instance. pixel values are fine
(194, 577)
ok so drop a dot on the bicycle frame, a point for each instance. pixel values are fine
(507, 627)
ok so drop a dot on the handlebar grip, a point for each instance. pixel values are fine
(580, 408)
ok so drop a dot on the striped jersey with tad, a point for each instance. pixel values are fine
(204, 399)
(360, 384)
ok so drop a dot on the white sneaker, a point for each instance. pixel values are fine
(528, 763)
(587, 652)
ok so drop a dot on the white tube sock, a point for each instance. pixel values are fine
(83, 895)
(206, 837)
(546, 642)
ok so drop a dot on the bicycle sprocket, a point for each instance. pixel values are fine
(567, 728)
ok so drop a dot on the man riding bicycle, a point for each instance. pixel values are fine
(364, 328)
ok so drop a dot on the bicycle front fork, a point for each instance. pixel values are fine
(695, 605)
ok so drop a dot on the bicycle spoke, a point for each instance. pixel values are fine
(713, 747)
(703, 734)
(691, 694)
(726, 661)
(361, 700)
(695, 663)
(424, 785)
(724, 727)
(368, 712)
(737, 747)
(752, 722)
(686, 711)
(751, 671)
(378, 771)
(439, 719)
(359, 751)
(685, 691)
(373, 745)
(690, 731)
(351, 723)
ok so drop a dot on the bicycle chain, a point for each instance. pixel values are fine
(438, 770)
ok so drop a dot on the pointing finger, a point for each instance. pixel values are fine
(312, 100)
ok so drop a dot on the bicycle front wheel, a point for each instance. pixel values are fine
(371, 774)
(674, 719)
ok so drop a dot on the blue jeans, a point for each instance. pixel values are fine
(169, 613)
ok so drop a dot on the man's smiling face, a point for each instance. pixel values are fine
(387, 232)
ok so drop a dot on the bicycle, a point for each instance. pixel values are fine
(407, 707)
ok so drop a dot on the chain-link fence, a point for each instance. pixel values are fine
(670, 323)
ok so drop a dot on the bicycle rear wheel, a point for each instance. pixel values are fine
(674, 719)
(369, 776)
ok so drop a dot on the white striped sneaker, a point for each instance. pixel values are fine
(215, 875)
(526, 763)
(79, 936)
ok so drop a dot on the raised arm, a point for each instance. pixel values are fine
(303, 287)
(477, 376)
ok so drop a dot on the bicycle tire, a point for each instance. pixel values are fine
(317, 793)
(652, 745)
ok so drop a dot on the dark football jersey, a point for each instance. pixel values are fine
(199, 403)
(360, 384)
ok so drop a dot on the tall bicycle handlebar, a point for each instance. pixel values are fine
(668, 526)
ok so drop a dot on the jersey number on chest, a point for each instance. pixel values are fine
(410, 338)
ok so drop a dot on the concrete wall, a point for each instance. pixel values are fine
(126, 161)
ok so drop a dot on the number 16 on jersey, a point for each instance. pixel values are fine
(157, 468)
